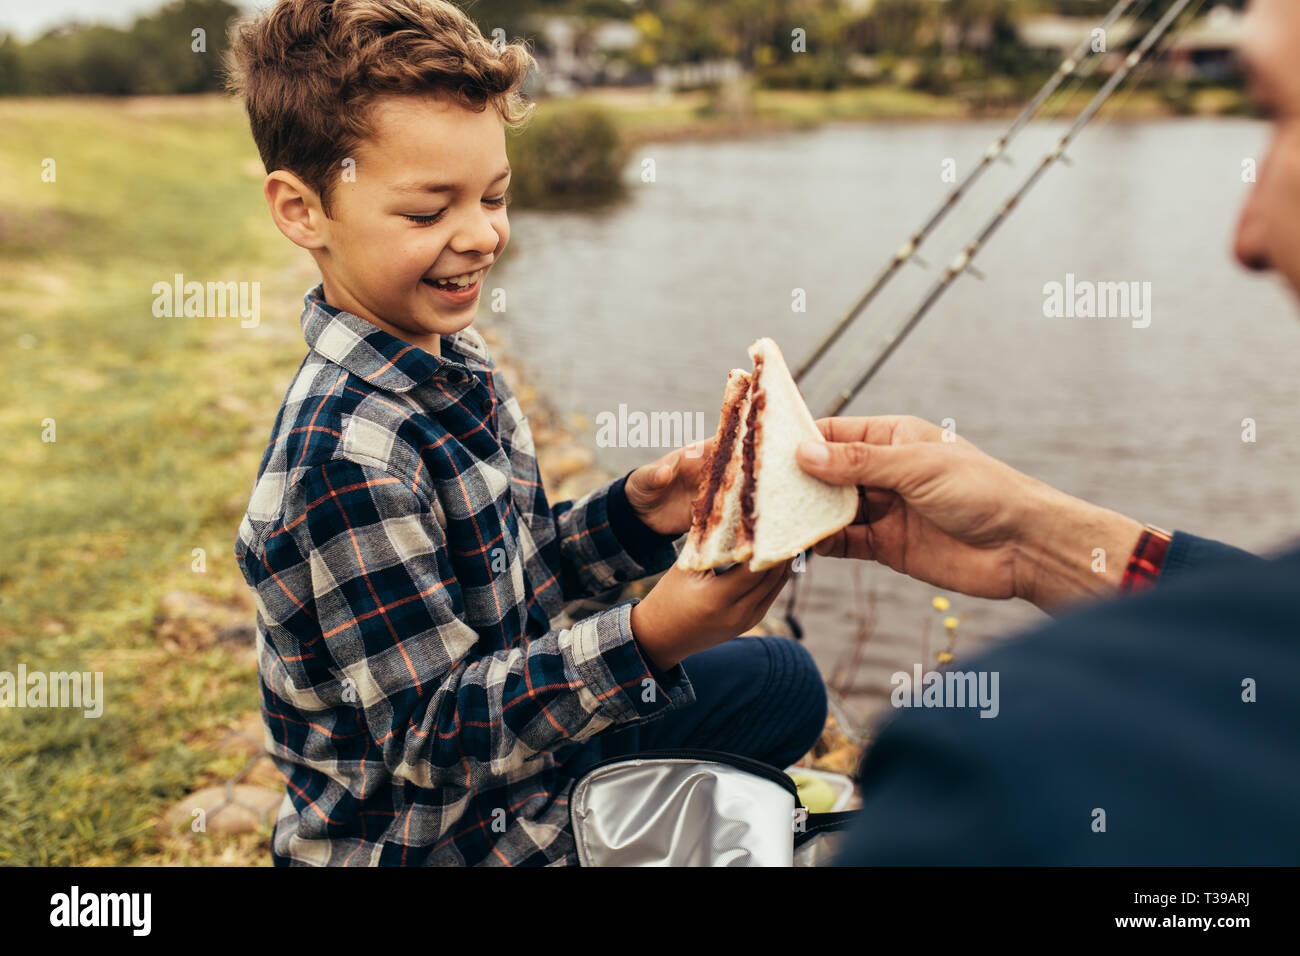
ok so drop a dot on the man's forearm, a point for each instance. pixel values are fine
(1071, 550)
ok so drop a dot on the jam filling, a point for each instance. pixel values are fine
(749, 457)
(716, 466)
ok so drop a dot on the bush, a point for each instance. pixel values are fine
(806, 71)
(567, 157)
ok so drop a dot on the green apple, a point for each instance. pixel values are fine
(817, 795)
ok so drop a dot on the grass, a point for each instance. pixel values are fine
(159, 424)
(643, 115)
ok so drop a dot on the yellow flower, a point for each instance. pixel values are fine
(945, 657)
(950, 623)
(940, 603)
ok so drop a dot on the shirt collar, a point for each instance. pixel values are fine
(378, 357)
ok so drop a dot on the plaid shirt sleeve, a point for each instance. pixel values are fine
(604, 545)
(368, 559)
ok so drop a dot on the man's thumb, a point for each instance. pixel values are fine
(850, 463)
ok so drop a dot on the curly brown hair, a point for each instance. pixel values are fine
(308, 71)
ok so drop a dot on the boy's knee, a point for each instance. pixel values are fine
(812, 690)
(795, 686)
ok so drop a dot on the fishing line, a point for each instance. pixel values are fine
(963, 263)
(991, 155)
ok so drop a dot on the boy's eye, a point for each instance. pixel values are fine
(499, 201)
(425, 220)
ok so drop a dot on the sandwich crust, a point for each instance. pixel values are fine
(720, 474)
(791, 509)
(737, 518)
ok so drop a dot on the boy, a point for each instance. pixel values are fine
(407, 567)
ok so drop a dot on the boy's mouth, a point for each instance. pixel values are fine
(456, 283)
(460, 288)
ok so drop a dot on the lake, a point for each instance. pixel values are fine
(648, 303)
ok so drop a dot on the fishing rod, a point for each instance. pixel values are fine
(995, 151)
(963, 262)
(1137, 57)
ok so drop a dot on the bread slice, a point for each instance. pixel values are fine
(755, 504)
(791, 510)
(715, 521)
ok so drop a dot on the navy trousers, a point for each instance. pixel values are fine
(759, 697)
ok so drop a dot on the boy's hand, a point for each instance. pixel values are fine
(690, 611)
(661, 493)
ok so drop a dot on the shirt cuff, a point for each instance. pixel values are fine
(648, 547)
(665, 679)
(1187, 552)
(613, 667)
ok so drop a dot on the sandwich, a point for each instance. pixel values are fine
(755, 504)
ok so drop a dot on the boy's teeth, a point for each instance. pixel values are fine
(458, 282)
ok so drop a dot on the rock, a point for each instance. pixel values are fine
(186, 622)
(244, 737)
(242, 633)
(263, 773)
(241, 808)
(185, 635)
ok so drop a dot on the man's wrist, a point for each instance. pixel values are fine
(1071, 549)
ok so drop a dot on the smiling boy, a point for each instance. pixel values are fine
(421, 696)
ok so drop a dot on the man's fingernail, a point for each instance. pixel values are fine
(815, 452)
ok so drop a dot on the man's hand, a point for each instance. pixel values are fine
(661, 493)
(948, 514)
(690, 611)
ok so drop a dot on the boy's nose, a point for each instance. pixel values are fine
(476, 235)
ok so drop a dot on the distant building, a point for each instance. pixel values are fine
(1208, 48)
(686, 76)
(577, 52)
(1058, 36)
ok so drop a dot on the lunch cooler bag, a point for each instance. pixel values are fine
(692, 807)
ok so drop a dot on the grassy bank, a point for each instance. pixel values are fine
(643, 114)
(117, 555)
(158, 426)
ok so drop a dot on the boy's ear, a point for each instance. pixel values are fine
(296, 209)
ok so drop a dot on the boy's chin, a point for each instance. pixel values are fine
(447, 317)
(432, 321)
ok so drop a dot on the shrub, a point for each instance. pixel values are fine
(567, 157)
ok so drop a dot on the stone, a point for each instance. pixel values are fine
(245, 809)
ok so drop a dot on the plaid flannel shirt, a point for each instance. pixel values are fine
(408, 573)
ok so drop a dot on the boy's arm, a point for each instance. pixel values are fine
(603, 544)
(362, 553)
